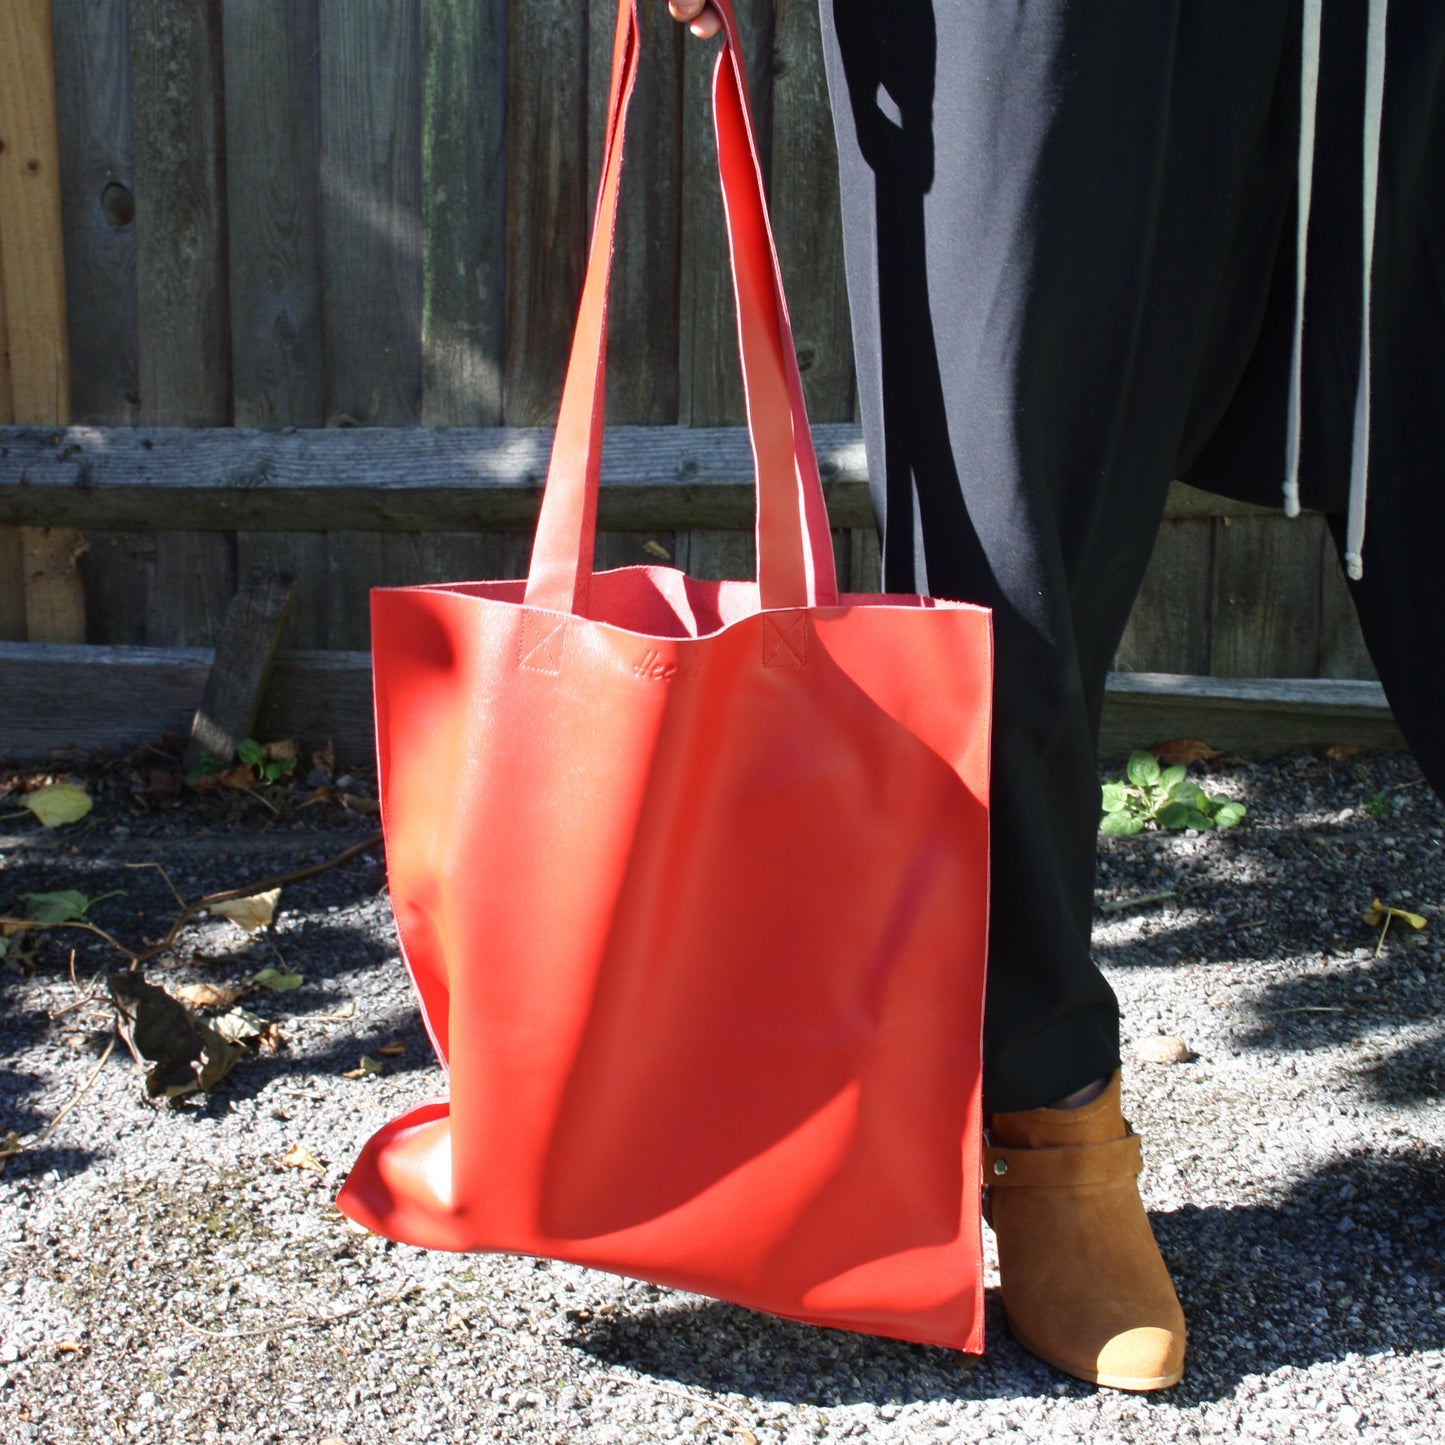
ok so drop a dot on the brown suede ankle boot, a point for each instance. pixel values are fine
(1084, 1286)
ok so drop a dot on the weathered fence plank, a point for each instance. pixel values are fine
(119, 567)
(12, 573)
(273, 187)
(188, 588)
(274, 182)
(93, 94)
(1342, 645)
(357, 562)
(302, 555)
(464, 45)
(176, 79)
(92, 85)
(547, 206)
(371, 206)
(1171, 616)
(32, 268)
(245, 653)
(181, 281)
(1266, 600)
(805, 213)
(32, 278)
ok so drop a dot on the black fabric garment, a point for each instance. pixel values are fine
(1069, 234)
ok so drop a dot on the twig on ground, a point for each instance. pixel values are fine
(290, 1321)
(19, 925)
(346, 1011)
(1118, 905)
(280, 879)
(701, 1401)
(9, 1151)
(87, 994)
(190, 910)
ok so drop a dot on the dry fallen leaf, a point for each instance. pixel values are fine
(277, 981)
(57, 804)
(249, 913)
(163, 782)
(182, 1053)
(367, 1068)
(1381, 916)
(298, 1156)
(239, 1026)
(1183, 751)
(1378, 912)
(208, 995)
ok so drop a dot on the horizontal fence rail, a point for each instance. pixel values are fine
(113, 699)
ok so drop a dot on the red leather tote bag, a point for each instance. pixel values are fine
(691, 879)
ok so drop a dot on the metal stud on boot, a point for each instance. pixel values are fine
(1084, 1286)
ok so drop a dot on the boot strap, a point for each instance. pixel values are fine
(1067, 1165)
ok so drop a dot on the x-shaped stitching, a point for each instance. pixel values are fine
(785, 640)
(541, 650)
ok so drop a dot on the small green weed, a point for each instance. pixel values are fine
(256, 765)
(1163, 797)
(1379, 805)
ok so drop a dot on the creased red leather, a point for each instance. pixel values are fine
(691, 880)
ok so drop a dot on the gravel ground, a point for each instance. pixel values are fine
(165, 1276)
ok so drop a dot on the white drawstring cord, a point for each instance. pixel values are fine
(1309, 95)
(1374, 111)
(1360, 459)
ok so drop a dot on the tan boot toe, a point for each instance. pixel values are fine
(1084, 1286)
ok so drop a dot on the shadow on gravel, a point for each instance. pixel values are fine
(1345, 1265)
(717, 1348)
(23, 1027)
(1348, 1263)
(1311, 1012)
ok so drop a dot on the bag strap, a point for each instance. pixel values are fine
(795, 551)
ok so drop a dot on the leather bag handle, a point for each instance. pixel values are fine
(794, 544)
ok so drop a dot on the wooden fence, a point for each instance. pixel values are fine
(325, 214)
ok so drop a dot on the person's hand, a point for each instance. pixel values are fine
(697, 15)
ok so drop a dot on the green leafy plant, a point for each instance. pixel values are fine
(1150, 795)
(63, 908)
(256, 765)
(1380, 805)
(269, 765)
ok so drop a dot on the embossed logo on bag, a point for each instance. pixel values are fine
(657, 668)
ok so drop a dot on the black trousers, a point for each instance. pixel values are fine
(1070, 238)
